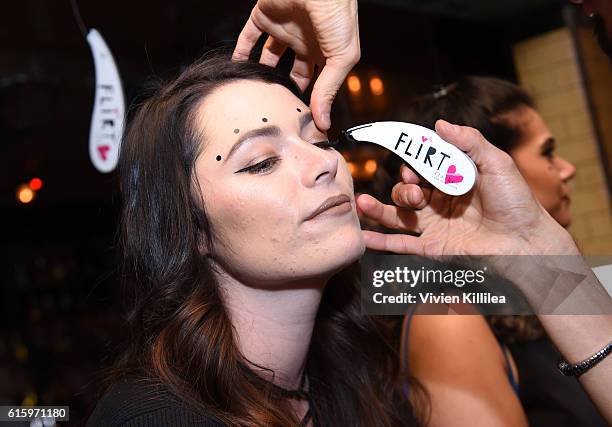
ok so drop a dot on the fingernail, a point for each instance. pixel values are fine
(449, 127)
(325, 120)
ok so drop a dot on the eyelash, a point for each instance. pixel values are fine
(266, 165)
(549, 152)
(327, 144)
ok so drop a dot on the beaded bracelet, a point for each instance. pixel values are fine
(580, 368)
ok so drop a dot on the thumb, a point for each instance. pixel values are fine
(487, 157)
(325, 89)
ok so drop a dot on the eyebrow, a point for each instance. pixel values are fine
(267, 131)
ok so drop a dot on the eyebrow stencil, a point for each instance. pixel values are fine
(442, 164)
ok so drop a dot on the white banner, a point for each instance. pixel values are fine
(109, 107)
(445, 166)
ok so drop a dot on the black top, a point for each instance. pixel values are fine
(549, 397)
(134, 402)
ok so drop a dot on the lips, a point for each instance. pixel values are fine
(328, 204)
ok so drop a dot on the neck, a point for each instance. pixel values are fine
(273, 326)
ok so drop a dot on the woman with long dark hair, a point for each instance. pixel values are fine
(239, 240)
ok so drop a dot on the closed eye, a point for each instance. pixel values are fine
(267, 164)
(261, 167)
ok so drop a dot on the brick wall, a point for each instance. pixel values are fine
(547, 67)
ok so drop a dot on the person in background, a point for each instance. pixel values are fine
(512, 371)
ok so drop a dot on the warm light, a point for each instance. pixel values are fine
(376, 86)
(25, 194)
(370, 166)
(30, 399)
(354, 85)
(21, 352)
(351, 167)
(36, 184)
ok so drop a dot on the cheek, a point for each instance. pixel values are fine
(252, 212)
(344, 172)
(539, 172)
(543, 180)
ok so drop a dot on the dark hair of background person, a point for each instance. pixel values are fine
(179, 333)
(482, 103)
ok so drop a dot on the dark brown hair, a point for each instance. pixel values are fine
(479, 102)
(180, 334)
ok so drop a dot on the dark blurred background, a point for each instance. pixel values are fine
(61, 317)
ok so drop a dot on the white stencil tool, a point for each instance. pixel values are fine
(445, 166)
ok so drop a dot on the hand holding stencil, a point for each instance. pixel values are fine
(446, 167)
(499, 215)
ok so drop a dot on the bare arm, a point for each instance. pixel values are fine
(460, 363)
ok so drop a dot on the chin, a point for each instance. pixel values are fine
(564, 219)
(341, 256)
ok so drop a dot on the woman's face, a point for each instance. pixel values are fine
(262, 177)
(547, 174)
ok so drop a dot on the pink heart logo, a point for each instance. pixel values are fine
(103, 149)
(425, 139)
(451, 176)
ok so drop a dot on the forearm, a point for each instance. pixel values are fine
(574, 309)
(578, 337)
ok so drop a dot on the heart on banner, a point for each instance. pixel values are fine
(451, 176)
(103, 150)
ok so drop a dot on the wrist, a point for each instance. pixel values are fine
(547, 237)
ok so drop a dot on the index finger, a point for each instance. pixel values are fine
(246, 40)
(389, 216)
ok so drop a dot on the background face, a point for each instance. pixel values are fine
(547, 173)
(258, 199)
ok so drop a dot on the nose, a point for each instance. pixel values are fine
(567, 170)
(319, 165)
